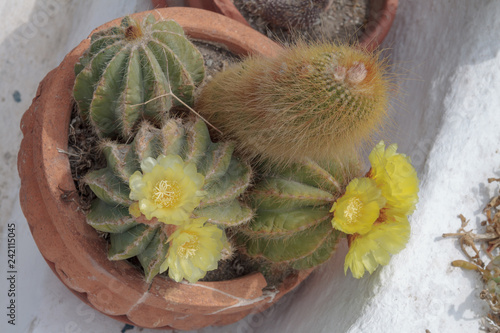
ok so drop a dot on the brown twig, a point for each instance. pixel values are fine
(489, 241)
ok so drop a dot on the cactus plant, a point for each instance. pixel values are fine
(316, 101)
(286, 13)
(215, 178)
(292, 225)
(135, 71)
(166, 195)
(303, 210)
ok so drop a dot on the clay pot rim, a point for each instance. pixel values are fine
(378, 25)
(73, 249)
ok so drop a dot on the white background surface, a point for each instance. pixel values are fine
(447, 118)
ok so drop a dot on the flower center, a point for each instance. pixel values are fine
(353, 210)
(189, 248)
(166, 194)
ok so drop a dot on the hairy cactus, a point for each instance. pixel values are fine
(292, 225)
(133, 72)
(207, 182)
(287, 13)
(316, 101)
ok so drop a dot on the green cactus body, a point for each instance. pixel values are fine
(316, 101)
(131, 73)
(225, 180)
(292, 225)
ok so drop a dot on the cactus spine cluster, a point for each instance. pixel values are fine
(133, 72)
(292, 225)
(225, 180)
(313, 101)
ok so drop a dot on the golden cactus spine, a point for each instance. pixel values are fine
(315, 101)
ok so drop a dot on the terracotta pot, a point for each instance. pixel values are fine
(74, 250)
(382, 13)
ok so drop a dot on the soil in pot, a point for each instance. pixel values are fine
(342, 21)
(84, 156)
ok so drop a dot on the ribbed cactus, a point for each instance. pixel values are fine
(224, 180)
(292, 225)
(314, 101)
(132, 72)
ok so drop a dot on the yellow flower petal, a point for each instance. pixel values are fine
(170, 161)
(368, 251)
(195, 248)
(134, 209)
(167, 189)
(396, 177)
(359, 207)
(148, 164)
(136, 185)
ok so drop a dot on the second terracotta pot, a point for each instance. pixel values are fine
(379, 22)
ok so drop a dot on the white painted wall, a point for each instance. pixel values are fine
(447, 120)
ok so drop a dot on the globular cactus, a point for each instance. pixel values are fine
(303, 210)
(287, 13)
(316, 101)
(215, 178)
(292, 225)
(133, 72)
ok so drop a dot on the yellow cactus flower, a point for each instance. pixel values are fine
(195, 248)
(167, 189)
(368, 251)
(359, 207)
(396, 177)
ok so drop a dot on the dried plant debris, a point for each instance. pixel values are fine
(83, 156)
(474, 245)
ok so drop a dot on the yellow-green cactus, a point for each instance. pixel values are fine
(319, 101)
